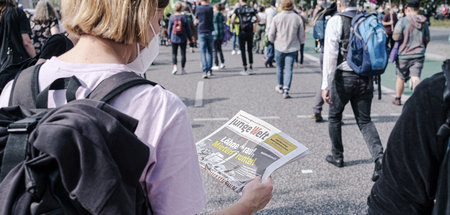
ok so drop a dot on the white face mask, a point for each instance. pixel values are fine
(146, 56)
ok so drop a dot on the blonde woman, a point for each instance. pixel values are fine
(179, 32)
(121, 35)
(16, 44)
(44, 24)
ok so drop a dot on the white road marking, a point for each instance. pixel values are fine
(199, 94)
(307, 171)
(211, 119)
(268, 117)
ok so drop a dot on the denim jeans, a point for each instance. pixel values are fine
(285, 63)
(270, 54)
(236, 41)
(358, 90)
(206, 50)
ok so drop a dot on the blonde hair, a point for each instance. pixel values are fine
(44, 12)
(287, 5)
(122, 21)
(178, 7)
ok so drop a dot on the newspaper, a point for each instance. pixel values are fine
(246, 147)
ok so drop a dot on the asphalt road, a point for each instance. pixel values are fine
(322, 188)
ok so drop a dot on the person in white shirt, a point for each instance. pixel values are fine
(341, 85)
(270, 52)
(108, 45)
(260, 31)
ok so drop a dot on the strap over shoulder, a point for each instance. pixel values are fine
(25, 87)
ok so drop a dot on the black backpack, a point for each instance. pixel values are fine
(442, 204)
(246, 14)
(80, 158)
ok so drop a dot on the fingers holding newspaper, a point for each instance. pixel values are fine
(255, 197)
(257, 194)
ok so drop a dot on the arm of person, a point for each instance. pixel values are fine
(426, 35)
(54, 30)
(412, 158)
(331, 51)
(257, 18)
(397, 35)
(188, 30)
(301, 30)
(272, 31)
(255, 197)
(233, 17)
(28, 45)
(169, 27)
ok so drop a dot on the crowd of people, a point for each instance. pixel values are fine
(102, 46)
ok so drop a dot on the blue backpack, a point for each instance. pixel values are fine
(320, 24)
(367, 53)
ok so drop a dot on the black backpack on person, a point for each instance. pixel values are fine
(442, 203)
(246, 14)
(80, 158)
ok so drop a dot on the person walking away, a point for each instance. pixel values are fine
(341, 85)
(260, 31)
(389, 21)
(44, 24)
(108, 46)
(204, 21)
(286, 32)
(246, 16)
(330, 11)
(235, 30)
(15, 31)
(304, 17)
(190, 18)
(219, 33)
(270, 53)
(413, 34)
(179, 32)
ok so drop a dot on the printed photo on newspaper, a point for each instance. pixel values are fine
(246, 147)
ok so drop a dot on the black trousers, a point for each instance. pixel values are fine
(218, 52)
(175, 53)
(358, 90)
(246, 38)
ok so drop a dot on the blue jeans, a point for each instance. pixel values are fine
(270, 54)
(236, 41)
(285, 62)
(206, 49)
(358, 90)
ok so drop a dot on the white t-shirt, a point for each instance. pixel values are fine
(262, 18)
(174, 183)
(269, 16)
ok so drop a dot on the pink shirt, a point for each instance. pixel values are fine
(173, 181)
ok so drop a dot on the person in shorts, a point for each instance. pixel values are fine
(413, 34)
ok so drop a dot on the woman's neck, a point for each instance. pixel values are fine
(95, 50)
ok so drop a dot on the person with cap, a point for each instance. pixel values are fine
(413, 34)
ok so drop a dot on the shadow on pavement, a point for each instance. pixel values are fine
(357, 162)
(191, 102)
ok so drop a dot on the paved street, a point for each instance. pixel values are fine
(307, 186)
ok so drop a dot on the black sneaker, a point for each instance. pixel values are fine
(337, 162)
(378, 169)
(318, 117)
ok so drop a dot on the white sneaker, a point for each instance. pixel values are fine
(222, 65)
(174, 71)
(215, 68)
(244, 73)
(279, 89)
(183, 72)
(233, 52)
(250, 71)
(239, 52)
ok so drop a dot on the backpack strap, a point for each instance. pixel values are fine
(116, 84)
(444, 131)
(16, 145)
(346, 18)
(23, 93)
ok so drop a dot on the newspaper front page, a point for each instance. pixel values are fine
(246, 147)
